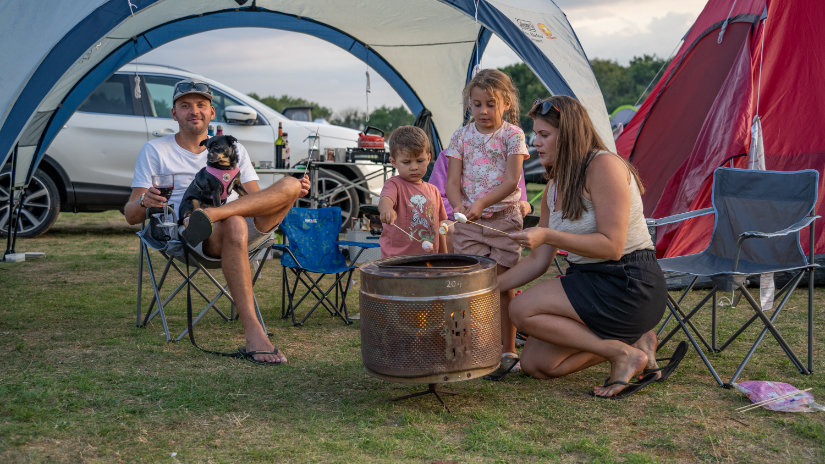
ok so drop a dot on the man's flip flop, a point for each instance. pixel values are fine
(199, 228)
(507, 365)
(632, 387)
(249, 356)
(675, 359)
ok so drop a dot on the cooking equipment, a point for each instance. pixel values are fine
(367, 140)
(430, 319)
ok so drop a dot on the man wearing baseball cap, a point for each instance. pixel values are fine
(224, 233)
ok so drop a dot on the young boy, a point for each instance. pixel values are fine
(410, 208)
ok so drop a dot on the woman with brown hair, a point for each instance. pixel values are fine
(614, 292)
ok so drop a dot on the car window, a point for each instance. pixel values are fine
(161, 88)
(113, 96)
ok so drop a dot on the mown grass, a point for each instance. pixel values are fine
(81, 383)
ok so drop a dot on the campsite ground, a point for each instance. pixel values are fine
(80, 383)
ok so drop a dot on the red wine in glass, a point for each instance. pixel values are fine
(165, 183)
(166, 192)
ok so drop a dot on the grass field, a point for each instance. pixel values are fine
(81, 383)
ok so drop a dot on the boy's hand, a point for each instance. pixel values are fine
(388, 216)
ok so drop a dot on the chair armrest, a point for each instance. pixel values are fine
(358, 244)
(792, 228)
(679, 217)
(280, 246)
(807, 220)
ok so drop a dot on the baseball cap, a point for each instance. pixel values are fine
(190, 86)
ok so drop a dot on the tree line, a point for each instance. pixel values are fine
(620, 85)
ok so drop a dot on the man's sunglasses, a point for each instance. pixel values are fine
(544, 107)
(182, 87)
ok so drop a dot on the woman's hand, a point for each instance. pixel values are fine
(530, 238)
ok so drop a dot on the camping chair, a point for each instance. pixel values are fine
(172, 254)
(311, 253)
(758, 219)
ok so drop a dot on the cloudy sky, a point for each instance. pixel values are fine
(318, 71)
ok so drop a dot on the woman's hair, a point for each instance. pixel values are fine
(408, 140)
(500, 86)
(577, 143)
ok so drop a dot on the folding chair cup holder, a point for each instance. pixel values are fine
(311, 253)
(171, 252)
(758, 219)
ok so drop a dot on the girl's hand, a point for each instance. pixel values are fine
(531, 238)
(474, 212)
(459, 209)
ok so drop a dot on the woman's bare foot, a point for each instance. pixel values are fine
(622, 369)
(648, 343)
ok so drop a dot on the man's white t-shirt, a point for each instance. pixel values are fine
(165, 156)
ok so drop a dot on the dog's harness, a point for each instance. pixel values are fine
(225, 177)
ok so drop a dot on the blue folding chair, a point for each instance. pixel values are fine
(758, 219)
(311, 253)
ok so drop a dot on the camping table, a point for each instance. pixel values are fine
(316, 197)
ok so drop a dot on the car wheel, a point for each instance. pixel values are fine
(334, 189)
(41, 205)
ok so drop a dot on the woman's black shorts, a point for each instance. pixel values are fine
(621, 299)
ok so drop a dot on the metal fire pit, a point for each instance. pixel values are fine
(430, 319)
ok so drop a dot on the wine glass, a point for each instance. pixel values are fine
(165, 183)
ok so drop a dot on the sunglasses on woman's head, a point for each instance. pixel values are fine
(545, 107)
(181, 87)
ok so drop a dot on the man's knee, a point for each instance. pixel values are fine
(234, 231)
(288, 186)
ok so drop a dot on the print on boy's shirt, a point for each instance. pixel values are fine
(422, 217)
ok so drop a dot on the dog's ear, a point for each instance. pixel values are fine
(231, 139)
(203, 142)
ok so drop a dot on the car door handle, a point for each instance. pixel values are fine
(163, 132)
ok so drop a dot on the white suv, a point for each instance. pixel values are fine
(89, 165)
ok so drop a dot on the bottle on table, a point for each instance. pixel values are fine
(220, 129)
(286, 151)
(279, 147)
(211, 131)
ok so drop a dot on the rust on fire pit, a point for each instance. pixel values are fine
(430, 319)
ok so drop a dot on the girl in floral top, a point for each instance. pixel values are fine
(485, 165)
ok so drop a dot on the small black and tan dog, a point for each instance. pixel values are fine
(217, 180)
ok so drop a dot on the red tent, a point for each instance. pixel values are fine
(741, 58)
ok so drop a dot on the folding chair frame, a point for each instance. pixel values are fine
(157, 303)
(336, 308)
(740, 289)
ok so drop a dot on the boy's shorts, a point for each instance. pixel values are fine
(473, 239)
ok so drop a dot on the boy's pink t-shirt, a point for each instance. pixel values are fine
(484, 158)
(420, 212)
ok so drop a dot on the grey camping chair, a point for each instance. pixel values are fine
(757, 224)
(171, 253)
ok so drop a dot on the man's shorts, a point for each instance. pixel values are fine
(254, 238)
(473, 239)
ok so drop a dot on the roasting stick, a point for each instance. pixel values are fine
(425, 244)
(771, 400)
(463, 219)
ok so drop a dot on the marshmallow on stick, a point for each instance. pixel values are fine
(463, 219)
(425, 244)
